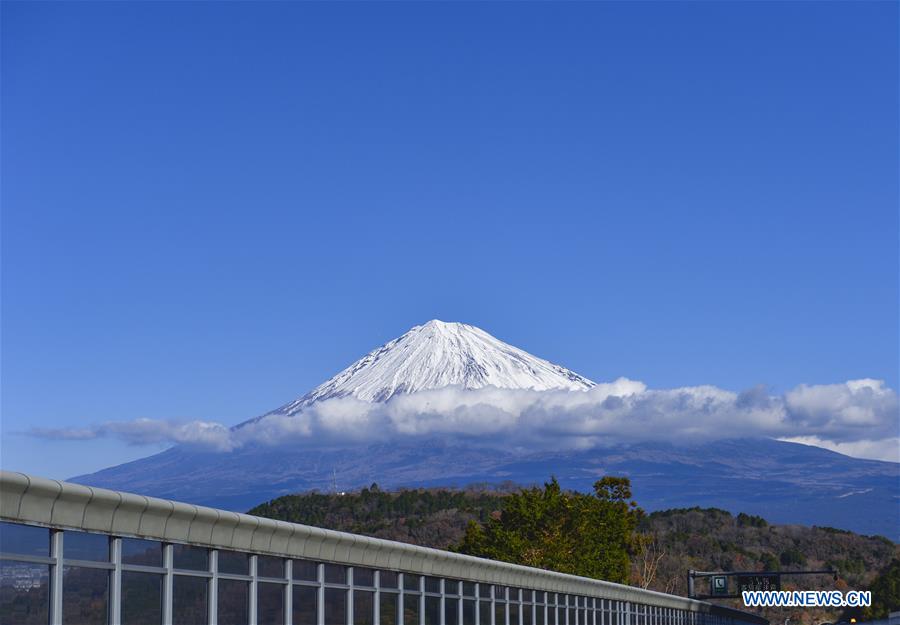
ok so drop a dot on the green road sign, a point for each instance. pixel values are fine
(718, 585)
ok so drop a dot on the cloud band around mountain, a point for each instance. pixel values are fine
(857, 417)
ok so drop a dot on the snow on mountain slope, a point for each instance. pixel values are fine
(439, 354)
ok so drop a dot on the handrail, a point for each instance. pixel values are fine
(64, 505)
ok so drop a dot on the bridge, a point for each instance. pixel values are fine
(77, 555)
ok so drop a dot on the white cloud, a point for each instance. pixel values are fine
(856, 410)
(858, 417)
(887, 449)
(207, 434)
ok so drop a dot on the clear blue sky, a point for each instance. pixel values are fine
(209, 208)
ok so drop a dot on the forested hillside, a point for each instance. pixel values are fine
(710, 539)
(433, 517)
(670, 542)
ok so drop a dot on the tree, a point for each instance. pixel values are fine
(885, 594)
(569, 532)
(650, 554)
(751, 520)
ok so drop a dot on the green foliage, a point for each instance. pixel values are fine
(792, 557)
(832, 530)
(885, 592)
(850, 566)
(674, 512)
(569, 532)
(751, 520)
(433, 517)
(885, 589)
(769, 562)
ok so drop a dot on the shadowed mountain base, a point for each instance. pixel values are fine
(783, 482)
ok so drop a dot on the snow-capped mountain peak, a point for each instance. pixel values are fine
(438, 354)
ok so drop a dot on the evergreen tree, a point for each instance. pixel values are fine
(569, 532)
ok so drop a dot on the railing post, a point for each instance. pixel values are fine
(253, 591)
(377, 618)
(115, 581)
(168, 588)
(441, 617)
(401, 620)
(349, 598)
(506, 602)
(320, 593)
(477, 603)
(289, 592)
(212, 612)
(56, 577)
(421, 600)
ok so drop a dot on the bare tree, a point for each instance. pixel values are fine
(646, 565)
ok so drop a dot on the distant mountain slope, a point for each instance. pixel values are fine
(785, 482)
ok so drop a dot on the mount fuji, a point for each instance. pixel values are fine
(437, 355)
(783, 482)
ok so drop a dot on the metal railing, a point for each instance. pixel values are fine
(170, 563)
